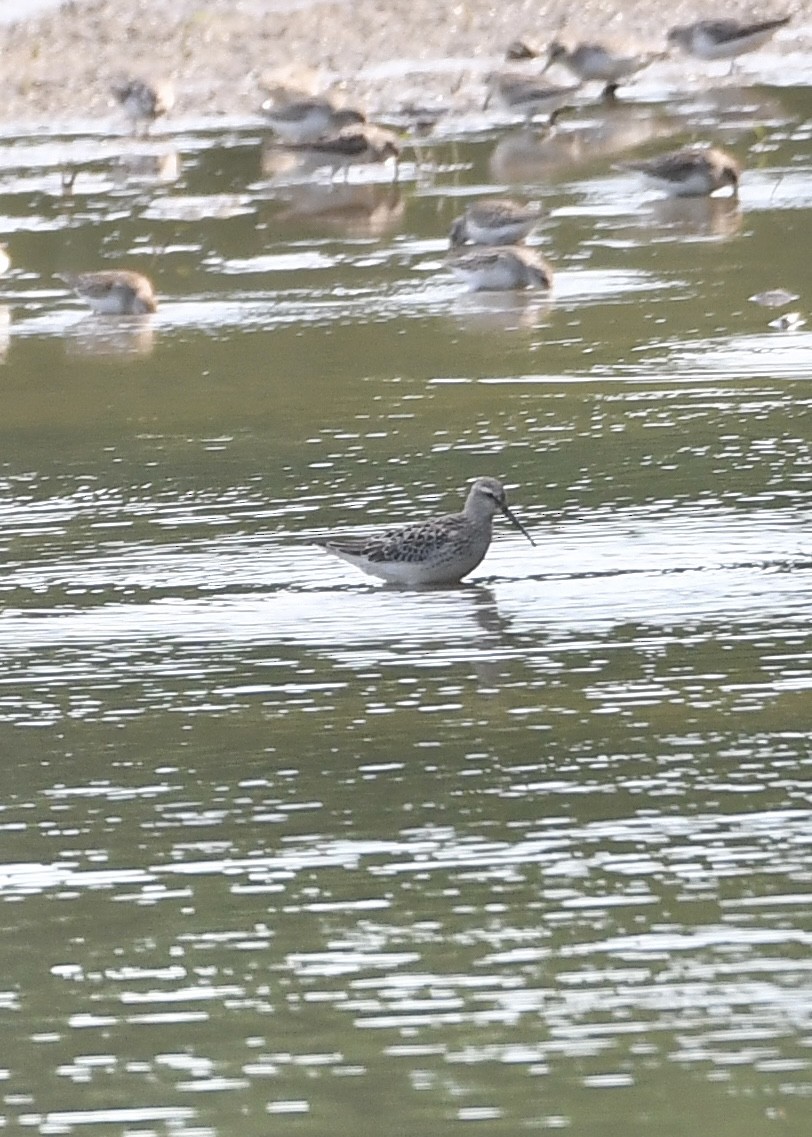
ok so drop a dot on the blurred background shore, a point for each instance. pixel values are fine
(59, 58)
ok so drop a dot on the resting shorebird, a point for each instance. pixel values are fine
(724, 39)
(113, 293)
(501, 268)
(440, 551)
(693, 171)
(143, 102)
(307, 120)
(494, 221)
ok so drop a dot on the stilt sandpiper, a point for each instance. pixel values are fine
(440, 551)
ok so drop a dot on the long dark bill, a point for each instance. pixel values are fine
(511, 517)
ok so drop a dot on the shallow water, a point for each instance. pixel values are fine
(287, 848)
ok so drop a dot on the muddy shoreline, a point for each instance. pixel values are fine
(57, 67)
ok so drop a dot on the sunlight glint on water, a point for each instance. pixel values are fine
(284, 846)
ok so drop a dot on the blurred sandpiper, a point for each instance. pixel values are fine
(143, 101)
(308, 120)
(693, 171)
(114, 292)
(599, 61)
(724, 39)
(529, 95)
(494, 221)
(357, 143)
(501, 268)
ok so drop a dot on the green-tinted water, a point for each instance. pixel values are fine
(285, 850)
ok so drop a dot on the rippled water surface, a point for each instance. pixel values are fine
(288, 850)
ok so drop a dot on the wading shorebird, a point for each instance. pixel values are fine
(598, 61)
(501, 268)
(440, 551)
(529, 95)
(693, 171)
(494, 221)
(724, 39)
(356, 144)
(113, 293)
(143, 101)
(308, 120)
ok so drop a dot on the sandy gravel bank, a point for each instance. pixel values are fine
(57, 67)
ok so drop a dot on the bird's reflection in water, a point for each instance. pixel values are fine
(106, 337)
(613, 129)
(67, 179)
(718, 217)
(482, 636)
(363, 154)
(279, 163)
(720, 102)
(5, 331)
(147, 168)
(528, 155)
(485, 611)
(357, 210)
(491, 663)
(501, 311)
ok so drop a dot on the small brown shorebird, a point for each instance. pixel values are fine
(724, 39)
(693, 171)
(599, 61)
(494, 221)
(356, 144)
(440, 551)
(308, 120)
(115, 292)
(361, 143)
(501, 268)
(529, 95)
(520, 51)
(143, 101)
